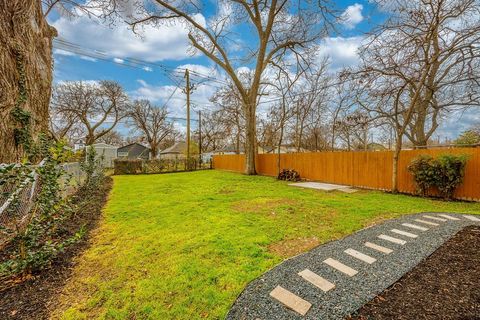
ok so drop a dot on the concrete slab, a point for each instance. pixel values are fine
(414, 226)
(448, 217)
(378, 248)
(340, 267)
(392, 239)
(471, 218)
(405, 233)
(291, 300)
(360, 256)
(427, 222)
(323, 186)
(348, 190)
(316, 280)
(435, 218)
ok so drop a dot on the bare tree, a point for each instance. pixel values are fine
(353, 128)
(113, 138)
(64, 125)
(230, 115)
(152, 122)
(70, 8)
(214, 131)
(418, 64)
(453, 77)
(278, 27)
(283, 84)
(311, 100)
(97, 106)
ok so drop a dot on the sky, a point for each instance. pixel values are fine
(90, 50)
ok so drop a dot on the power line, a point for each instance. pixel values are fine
(70, 46)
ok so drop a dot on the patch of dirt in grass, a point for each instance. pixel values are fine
(32, 297)
(444, 286)
(292, 247)
(263, 205)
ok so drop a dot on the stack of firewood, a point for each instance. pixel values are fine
(289, 175)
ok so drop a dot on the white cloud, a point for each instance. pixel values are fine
(153, 43)
(148, 69)
(343, 52)
(118, 60)
(457, 122)
(71, 54)
(63, 52)
(352, 16)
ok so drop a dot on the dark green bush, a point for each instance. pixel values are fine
(128, 166)
(451, 171)
(423, 169)
(445, 173)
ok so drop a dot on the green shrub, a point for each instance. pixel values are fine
(451, 171)
(93, 169)
(424, 173)
(128, 166)
(445, 173)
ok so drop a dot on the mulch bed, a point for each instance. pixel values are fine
(31, 297)
(446, 285)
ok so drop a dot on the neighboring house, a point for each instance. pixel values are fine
(78, 145)
(230, 149)
(376, 147)
(284, 149)
(134, 151)
(177, 151)
(106, 152)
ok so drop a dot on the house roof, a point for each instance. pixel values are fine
(103, 145)
(128, 147)
(230, 148)
(177, 148)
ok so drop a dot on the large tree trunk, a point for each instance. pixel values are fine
(396, 157)
(25, 75)
(153, 150)
(251, 140)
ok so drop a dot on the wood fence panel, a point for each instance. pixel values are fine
(366, 169)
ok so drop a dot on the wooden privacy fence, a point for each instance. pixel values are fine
(369, 169)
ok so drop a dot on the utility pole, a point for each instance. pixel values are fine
(200, 136)
(187, 91)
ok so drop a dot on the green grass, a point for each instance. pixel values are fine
(183, 246)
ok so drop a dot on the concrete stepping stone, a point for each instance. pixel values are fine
(340, 267)
(316, 280)
(471, 218)
(448, 217)
(291, 300)
(414, 226)
(435, 218)
(378, 248)
(405, 233)
(360, 256)
(392, 239)
(427, 222)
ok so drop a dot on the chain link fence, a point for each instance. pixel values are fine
(19, 190)
(17, 196)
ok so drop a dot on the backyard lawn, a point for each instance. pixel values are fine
(183, 246)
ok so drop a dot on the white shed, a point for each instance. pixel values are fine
(107, 152)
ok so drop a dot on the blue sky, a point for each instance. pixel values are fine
(167, 48)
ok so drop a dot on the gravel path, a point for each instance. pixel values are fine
(350, 292)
